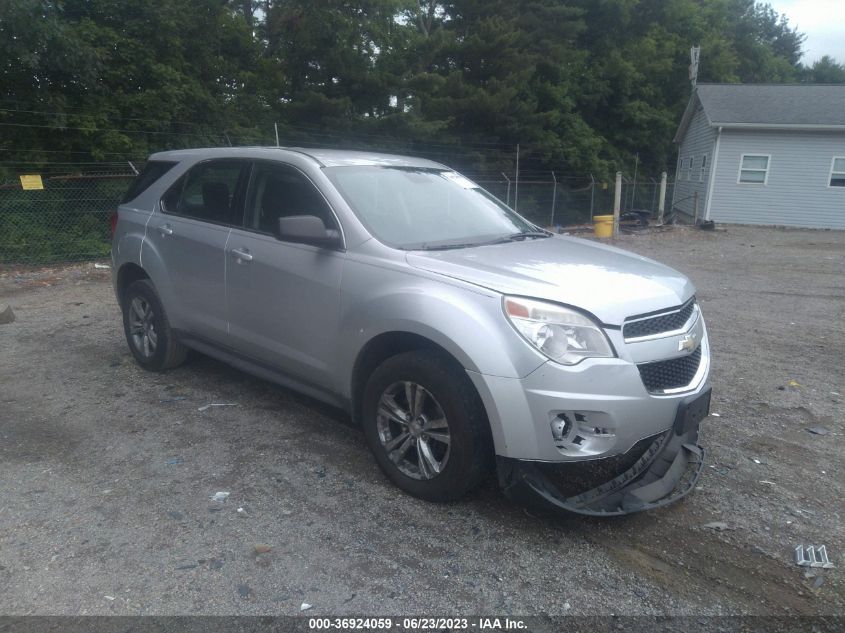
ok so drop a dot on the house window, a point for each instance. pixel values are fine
(703, 168)
(837, 172)
(754, 169)
(689, 168)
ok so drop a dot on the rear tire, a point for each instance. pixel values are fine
(148, 332)
(426, 426)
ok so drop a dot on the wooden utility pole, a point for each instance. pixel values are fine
(617, 203)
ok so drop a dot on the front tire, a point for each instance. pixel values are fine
(426, 426)
(148, 332)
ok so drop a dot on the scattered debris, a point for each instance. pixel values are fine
(111, 598)
(7, 316)
(305, 606)
(188, 566)
(173, 399)
(244, 591)
(818, 582)
(220, 496)
(719, 526)
(102, 266)
(174, 460)
(205, 407)
(766, 481)
(812, 556)
(242, 512)
(262, 548)
(756, 461)
(794, 383)
(215, 564)
(818, 430)
(716, 415)
(176, 516)
(566, 606)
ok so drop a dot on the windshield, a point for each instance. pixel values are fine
(421, 208)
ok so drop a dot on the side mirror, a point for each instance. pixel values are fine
(308, 229)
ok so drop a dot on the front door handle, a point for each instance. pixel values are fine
(241, 255)
(165, 229)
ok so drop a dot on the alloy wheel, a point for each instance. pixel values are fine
(142, 326)
(413, 430)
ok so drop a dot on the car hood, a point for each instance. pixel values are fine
(608, 282)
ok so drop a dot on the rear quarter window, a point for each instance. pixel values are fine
(152, 171)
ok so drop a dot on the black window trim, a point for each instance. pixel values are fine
(183, 179)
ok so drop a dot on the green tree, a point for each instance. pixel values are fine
(824, 71)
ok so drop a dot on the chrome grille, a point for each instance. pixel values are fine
(670, 374)
(659, 323)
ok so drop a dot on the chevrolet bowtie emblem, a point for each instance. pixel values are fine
(688, 343)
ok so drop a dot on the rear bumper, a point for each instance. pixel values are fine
(666, 471)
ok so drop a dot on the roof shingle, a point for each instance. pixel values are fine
(773, 104)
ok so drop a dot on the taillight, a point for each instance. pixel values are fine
(113, 222)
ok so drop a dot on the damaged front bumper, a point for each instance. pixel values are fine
(659, 471)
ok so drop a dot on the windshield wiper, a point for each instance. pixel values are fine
(499, 240)
(525, 234)
(447, 247)
(522, 235)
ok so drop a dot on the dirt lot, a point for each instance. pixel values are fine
(106, 473)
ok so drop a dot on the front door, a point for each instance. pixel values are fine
(284, 298)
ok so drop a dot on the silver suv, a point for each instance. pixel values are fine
(461, 337)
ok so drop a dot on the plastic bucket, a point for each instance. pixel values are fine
(603, 225)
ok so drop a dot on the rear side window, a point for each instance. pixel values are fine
(211, 191)
(152, 171)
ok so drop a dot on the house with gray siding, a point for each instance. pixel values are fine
(763, 154)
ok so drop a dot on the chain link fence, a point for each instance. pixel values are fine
(568, 201)
(69, 219)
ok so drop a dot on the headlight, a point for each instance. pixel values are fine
(565, 336)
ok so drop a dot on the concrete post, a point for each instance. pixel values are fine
(661, 205)
(617, 203)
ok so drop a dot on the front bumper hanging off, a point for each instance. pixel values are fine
(665, 472)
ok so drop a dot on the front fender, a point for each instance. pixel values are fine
(466, 321)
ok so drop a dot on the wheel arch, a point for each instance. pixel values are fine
(128, 274)
(379, 349)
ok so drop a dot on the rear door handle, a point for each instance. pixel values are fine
(165, 229)
(241, 255)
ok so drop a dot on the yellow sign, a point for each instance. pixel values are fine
(32, 182)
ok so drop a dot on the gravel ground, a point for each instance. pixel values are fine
(106, 473)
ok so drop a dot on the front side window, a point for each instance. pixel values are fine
(210, 191)
(420, 207)
(837, 172)
(689, 168)
(703, 168)
(754, 169)
(280, 191)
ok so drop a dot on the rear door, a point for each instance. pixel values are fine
(190, 233)
(284, 298)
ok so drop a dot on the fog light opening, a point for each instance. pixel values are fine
(561, 426)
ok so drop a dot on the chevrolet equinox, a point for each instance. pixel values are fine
(463, 338)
